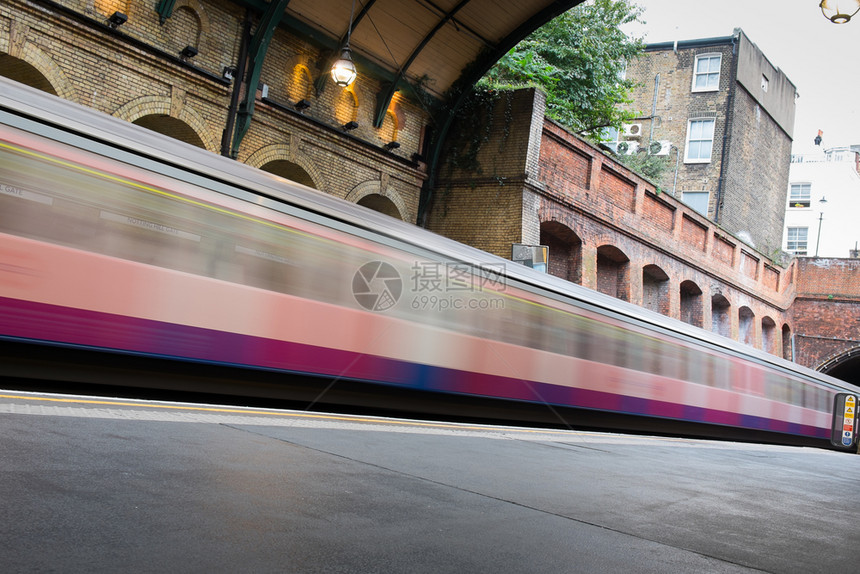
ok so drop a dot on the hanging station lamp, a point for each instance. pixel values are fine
(839, 11)
(343, 70)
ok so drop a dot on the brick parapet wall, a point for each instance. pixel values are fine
(826, 313)
(593, 184)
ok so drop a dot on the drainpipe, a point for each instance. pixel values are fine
(654, 107)
(727, 130)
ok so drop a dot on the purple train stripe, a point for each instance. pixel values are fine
(42, 322)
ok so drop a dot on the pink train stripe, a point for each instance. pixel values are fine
(55, 324)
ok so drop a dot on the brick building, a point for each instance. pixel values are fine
(724, 116)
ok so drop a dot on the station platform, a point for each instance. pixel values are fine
(90, 484)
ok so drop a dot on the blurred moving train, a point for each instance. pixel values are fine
(124, 245)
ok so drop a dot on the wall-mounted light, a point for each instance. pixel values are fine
(188, 52)
(117, 19)
(228, 73)
(343, 70)
(391, 145)
(839, 11)
(302, 105)
(349, 126)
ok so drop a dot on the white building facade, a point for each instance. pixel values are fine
(822, 215)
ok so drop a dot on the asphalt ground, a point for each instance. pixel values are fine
(111, 485)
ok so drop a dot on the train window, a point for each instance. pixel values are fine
(698, 364)
(776, 388)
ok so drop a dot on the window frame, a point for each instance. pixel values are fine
(696, 73)
(797, 240)
(699, 193)
(797, 203)
(690, 122)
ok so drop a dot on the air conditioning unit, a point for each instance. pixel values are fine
(661, 147)
(627, 148)
(631, 130)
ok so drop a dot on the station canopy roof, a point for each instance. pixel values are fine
(428, 42)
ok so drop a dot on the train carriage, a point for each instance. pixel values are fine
(116, 239)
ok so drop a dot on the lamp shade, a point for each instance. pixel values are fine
(343, 70)
(839, 11)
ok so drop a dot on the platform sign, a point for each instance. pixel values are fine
(844, 432)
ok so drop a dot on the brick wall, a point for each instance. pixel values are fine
(135, 73)
(756, 183)
(827, 310)
(484, 182)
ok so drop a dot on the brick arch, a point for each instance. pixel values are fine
(17, 46)
(199, 10)
(844, 365)
(565, 250)
(390, 127)
(291, 153)
(613, 272)
(746, 325)
(201, 29)
(164, 106)
(655, 289)
(347, 105)
(300, 85)
(787, 353)
(769, 340)
(691, 303)
(721, 321)
(375, 187)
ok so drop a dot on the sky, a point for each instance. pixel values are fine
(819, 57)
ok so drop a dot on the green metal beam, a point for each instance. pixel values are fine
(383, 99)
(165, 9)
(461, 89)
(260, 41)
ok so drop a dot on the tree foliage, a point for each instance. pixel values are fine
(578, 59)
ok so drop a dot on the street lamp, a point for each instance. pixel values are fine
(820, 219)
(839, 11)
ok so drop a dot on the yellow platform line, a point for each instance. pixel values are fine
(243, 411)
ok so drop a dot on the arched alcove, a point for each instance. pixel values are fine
(655, 289)
(21, 71)
(721, 320)
(172, 127)
(380, 203)
(746, 326)
(613, 272)
(691, 303)
(768, 335)
(289, 170)
(787, 352)
(565, 250)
